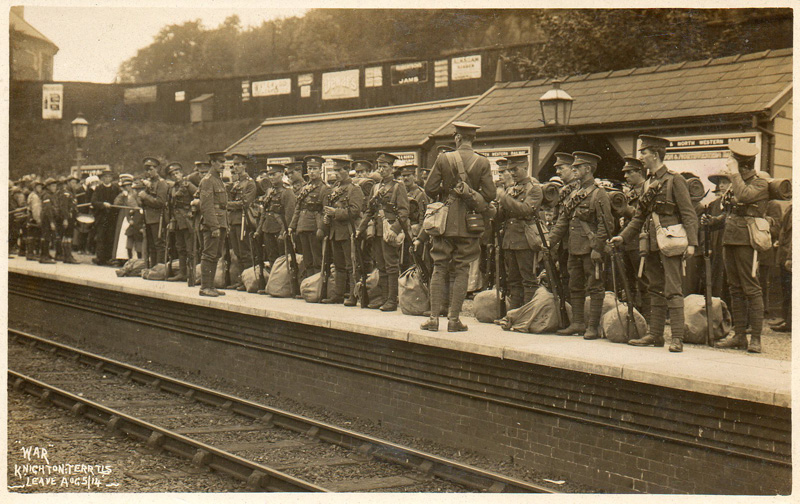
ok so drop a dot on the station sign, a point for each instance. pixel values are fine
(86, 170)
(493, 154)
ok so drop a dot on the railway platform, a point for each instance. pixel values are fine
(610, 416)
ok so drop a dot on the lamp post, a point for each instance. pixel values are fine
(80, 128)
(556, 106)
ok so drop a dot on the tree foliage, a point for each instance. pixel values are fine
(571, 40)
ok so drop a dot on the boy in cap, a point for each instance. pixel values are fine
(750, 198)
(279, 204)
(154, 202)
(388, 209)
(105, 217)
(342, 211)
(181, 195)
(307, 219)
(463, 178)
(587, 216)
(243, 195)
(666, 199)
(214, 223)
(516, 207)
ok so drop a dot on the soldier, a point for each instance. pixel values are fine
(49, 216)
(59, 210)
(516, 207)
(666, 198)
(181, 195)
(69, 212)
(279, 205)
(587, 216)
(342, 211)
(750, 195)
(105, 217)
(464, 179)
(563, 166)
(307, 219)
(504, 178)
(154, 201)
(200, 170)
(422, 175)
(33, 235)
(633, 171)
(16, 221)
(417, 203)
(719, 286)
(388, 209)
(784, 260)
(694, 274)
(214, 222)
(243, 195)
(363, 169)
(294, 172)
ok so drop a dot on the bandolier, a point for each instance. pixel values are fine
(342, 210)
(417, 203)
(750, 194)
(279, 205)
(181, 195)
(242, 196)
(362, 179)
(516, 207)
(307, 219)
(563, 166)
(587, 217)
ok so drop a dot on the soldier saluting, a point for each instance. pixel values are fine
(342, 211)
(214, 223)
(749, 201)
(181, 195)
(516, 207)
(587, 217)
(665, 202)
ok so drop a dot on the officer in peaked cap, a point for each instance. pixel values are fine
(587, 216)
(342, 212)
(748, 203)
(516, 206)
(362, 167)
(458, 246)
(504, 178)
(387, 208)
(294, 172)
(279, 205)
(307, 219)
(666, 195)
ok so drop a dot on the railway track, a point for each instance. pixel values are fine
(271, 449)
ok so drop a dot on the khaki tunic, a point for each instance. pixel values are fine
(308, 211)
(154, 201)
(516, 208)
(590, 223)
(348, 200)
(278, 201)
(389, 200)
(243, 194)
(213, 202)
(181, 195)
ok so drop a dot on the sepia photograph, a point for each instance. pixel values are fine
(396, 252)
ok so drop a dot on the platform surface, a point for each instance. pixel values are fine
(698, 369)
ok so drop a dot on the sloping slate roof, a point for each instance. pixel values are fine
(396, 127)
(26, 28)
(736, 84)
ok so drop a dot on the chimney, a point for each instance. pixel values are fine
(498, 74)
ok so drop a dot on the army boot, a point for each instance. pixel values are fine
(30, 252)
(737, 339)
(756, 323)
(59, 247)
(207, 280)
(391, 300)
(181, 275)
(383, 283)
(337, 296)
(44, 253)
(676, 324)
(655, 334)
(577, 325)
(68, 257)
(595, 309)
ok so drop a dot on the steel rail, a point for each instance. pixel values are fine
(443, 468)
(257, 476)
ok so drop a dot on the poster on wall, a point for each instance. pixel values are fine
(440, 73)
(466, 67)
(493, 154)
(272, 87)
(245, 90)
(703, 155)
(142, 94)
(339, 85)
(409, 73)
(52, 101)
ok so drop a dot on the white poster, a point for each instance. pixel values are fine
(272, 87)
(373, 77)
(338, 85)
(440, 77)
(245, 90)
(52, 101)
(467, 67)
(180, 96)
(305, 79)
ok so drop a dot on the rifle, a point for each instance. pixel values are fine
(423, 269)
(620, 265)
(226, 262)
(190, 271)
(170, 233)
(555, 279)
(289, 249)
(359, 260)
(499, 278)
(324, 272)
(707, 264)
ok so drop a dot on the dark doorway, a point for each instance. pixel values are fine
(609, 168)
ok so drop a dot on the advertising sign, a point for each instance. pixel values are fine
(409, 73)
(373, 77)
(272, 87)
(440, 77)
(245, 90)
(180, 96)
(405, 158)
(305, 79)
(339, 85)
(467, 67)
(143, 94)
(52, 101)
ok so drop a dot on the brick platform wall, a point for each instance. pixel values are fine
(606, 433)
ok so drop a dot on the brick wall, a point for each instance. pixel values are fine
(606, 433)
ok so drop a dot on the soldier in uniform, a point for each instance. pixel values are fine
(200, 170)
(279, 205)
(243, 195)
(181, 195)
(154, 201)
(363, 169)
(457, 247)
(69, 212)
(33, 235)
(417, 203)
(59, 211)
(105, 217)
(504, 178)
(750, 195)
(422, 176)
(694, 277)
(307, 219)
(16, 221)
(388, 203)
(717, 207)
(587, 216)
(214, 223)
(633, 171)
(342, 212)
(563, 166)
(294, 172)
(516, 207)
(666, 195)
(784, 260)
(49, 217)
